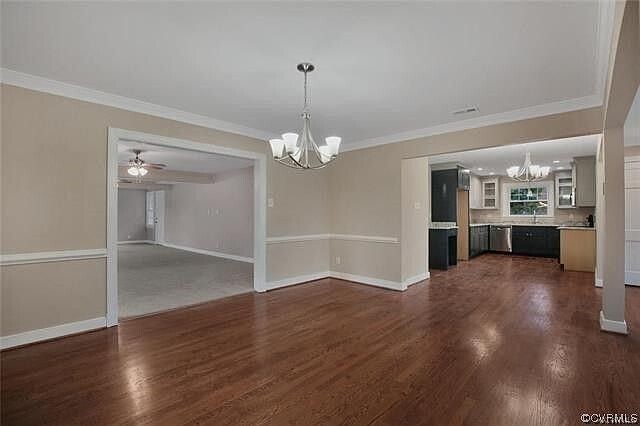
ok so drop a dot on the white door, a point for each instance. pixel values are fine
(159, 217)
(150, 220)
(632, 220)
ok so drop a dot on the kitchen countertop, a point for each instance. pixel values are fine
(443, 225)
(578, 228)
(551, 225)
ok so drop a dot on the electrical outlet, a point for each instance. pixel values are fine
(417, 205)
(338, 260)
(270, 202)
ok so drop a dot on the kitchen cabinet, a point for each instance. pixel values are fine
(585, 181)
(565, 191)
(490, 196)
(478, 240)
(444, 193)
(475, 192)
(443, 249)
(484, 193)
(578, 249)
(535, 240)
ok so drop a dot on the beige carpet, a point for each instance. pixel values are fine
(154, 278)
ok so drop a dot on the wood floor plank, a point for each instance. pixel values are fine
(496, 340)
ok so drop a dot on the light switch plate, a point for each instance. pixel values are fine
(270, 202)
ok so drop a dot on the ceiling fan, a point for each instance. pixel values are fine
(138, 167)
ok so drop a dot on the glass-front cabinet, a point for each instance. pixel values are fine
(565, 190)
(490, 194)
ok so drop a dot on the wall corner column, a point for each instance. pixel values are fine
(612, 316)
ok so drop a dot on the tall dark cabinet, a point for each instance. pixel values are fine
(444, 193)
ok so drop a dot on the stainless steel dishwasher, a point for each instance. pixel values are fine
(500, 238)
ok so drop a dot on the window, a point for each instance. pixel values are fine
(528, 199)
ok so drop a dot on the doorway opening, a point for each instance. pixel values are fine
(186, 223)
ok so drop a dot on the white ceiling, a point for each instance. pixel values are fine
(181, 159)
(383, 68)
(496, 160)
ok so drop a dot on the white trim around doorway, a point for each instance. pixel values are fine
(259, 202)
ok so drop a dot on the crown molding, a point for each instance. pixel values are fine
(54, 87)
(483, 121)
(606, 14)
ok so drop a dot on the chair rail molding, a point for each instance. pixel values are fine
(344, 237)
(51, 256)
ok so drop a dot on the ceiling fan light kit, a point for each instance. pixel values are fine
(138, 168)
(302, 152)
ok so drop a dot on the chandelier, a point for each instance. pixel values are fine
(528, 172)
(303, 152)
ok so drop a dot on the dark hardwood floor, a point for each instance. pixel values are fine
(497, 340)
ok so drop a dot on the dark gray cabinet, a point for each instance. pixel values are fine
(478, 240)
(444, 193)
(443, 248)
(536, 240)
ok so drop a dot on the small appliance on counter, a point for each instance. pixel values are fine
(590, 221)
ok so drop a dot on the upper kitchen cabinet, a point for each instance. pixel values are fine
(483, 193)
(490, 194)
(444, 193)
(585, 181)
(475, 192)
(565, 191)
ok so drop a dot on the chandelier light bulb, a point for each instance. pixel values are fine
(333, 142)
(142, 171)
(277, 146)
(133, 171)
(290, 142)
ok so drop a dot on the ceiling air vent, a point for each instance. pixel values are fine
(466, 110)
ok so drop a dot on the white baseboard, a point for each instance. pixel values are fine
(285, 282)
(612, 326)
(136, 242)
(598, 282)
(377, 282)
(208, 252)
(51, 332)
(358, 279)
(416, 279)
(632, 278)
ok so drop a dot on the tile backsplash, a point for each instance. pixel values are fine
(562, 216)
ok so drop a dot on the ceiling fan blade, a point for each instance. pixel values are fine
(156, 164)
(153, 166)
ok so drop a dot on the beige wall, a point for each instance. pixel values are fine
(365, 185)
(415, 212)
(132, 206)
(61, 204)
(217, 216)
(47, 294)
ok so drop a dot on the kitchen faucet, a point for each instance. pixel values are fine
(535, 212)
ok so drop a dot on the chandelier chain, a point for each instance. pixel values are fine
(306, 104)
